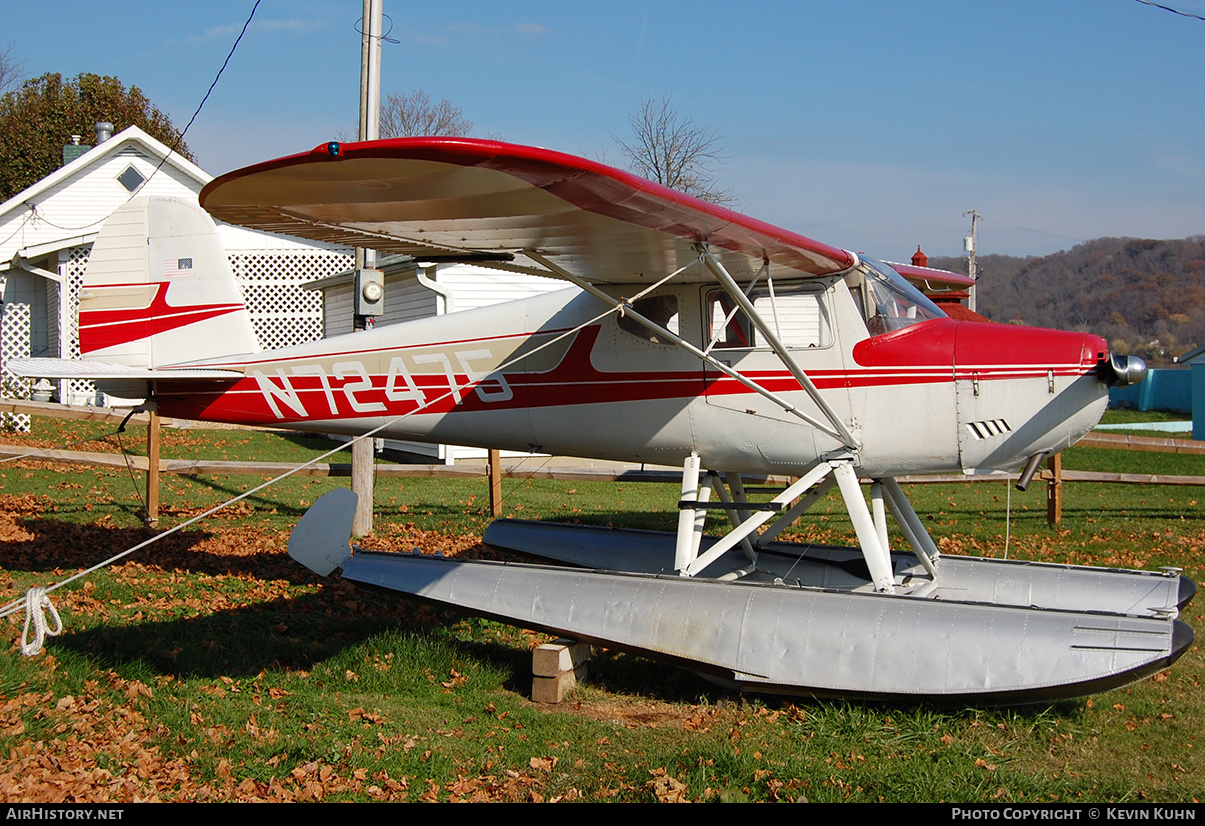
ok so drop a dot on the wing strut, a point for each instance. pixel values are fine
(730, 286)
(560, 272)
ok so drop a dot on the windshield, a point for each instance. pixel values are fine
(889, 302)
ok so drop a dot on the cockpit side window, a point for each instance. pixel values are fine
(797, 313)
(726, 324)
(660, 309)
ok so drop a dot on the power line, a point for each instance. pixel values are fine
(33, 209)
(1031, 229)
(201, 105)
(217, 77)
(1169, 8)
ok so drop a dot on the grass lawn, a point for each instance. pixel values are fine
(1117, 417)
(211, 667)
(1127, 415)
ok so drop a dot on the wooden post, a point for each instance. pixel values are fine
(152, 469)
(494, 472)
(362, 464)
(1054, 490)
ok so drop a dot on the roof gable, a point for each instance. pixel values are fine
(1192, 356)
(132, 136)
(76, 199)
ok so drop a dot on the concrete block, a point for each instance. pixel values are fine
(559, 656)
(552, 689)
(556, 668)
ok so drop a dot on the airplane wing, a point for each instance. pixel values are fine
(479, 200)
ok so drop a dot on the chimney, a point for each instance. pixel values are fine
(104, 131)
(73, 150)
(919, 259)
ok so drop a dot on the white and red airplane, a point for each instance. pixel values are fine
(697, 337)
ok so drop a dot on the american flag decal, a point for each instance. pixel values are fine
(177, 266)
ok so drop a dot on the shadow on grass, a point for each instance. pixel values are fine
(299, 631)
(306, 631)
(292, 633)
(270, 499)
(58, 544)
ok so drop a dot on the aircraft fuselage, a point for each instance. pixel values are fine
(936, 396)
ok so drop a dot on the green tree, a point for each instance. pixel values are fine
(40, 117)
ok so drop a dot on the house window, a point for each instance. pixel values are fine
(131, 178)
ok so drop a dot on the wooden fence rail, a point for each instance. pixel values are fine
(494, 471)
(1154, 444)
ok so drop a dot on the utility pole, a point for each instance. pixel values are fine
(971, 244)
(369, 282)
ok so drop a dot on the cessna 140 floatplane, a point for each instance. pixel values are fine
(697, 338)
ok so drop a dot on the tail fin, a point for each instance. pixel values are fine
(158, 289)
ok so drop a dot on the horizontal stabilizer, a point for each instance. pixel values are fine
(107, 371)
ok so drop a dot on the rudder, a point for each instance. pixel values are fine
(158, 289)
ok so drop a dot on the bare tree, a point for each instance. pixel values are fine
(11, 69)
(413, 114)
(671, 150)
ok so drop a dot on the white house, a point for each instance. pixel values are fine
(46, 233)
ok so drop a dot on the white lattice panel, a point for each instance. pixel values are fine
(72, 263)
(281, 312)
(14, 343)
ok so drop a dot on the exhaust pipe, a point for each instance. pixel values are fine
(1031, 467)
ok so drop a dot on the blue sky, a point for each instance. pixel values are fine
(868, 125)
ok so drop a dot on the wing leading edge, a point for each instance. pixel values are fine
(478, 199)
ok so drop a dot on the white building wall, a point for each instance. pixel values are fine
(337, 311)
(408, 300)
(405, 300)
(79, 203)
(474, 286)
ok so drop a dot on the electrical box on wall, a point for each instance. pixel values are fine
(370, 292)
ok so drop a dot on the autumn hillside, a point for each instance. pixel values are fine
(1145, 296)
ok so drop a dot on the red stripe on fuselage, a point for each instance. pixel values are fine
(575, 380)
